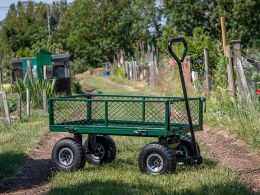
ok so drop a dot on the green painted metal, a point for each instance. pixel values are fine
(123, 115)
(43, 58)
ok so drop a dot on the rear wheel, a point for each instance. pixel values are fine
(68, 154)
(105, 150)
(186, 150)
(156, 158)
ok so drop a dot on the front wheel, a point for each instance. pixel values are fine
(68, 154)
(156, 158)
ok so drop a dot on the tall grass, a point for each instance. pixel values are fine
(233, 114)
(36, 89)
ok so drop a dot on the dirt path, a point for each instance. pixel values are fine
(232, 153)
(34, 176)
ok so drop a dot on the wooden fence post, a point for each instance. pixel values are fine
(19, 107)
(230, 71)
(206, 63)
(29, 71)
(186, 68)
(44, 91)
(224, 33)
(7, 113)
(44, 99)
(28, 101)
(240, 72)
(1, 75)
(152, 73)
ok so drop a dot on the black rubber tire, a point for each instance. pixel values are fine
(83, 160)
(167, 155)
(187, 144)
(109, 150)
(78, 152)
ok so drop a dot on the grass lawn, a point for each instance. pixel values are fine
(123, 176)
(17, 138)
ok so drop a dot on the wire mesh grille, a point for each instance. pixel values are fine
(102, 110)
(179, 113)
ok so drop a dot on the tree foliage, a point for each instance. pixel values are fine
(94, 31)
(242, 17)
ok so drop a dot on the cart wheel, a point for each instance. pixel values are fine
(68, 154)
(105, 150)
(186, 148)
(156, 158)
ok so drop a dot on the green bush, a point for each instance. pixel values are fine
(79, 66)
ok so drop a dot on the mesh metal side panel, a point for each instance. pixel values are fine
(178, 113)
(155, 112)
(97, 113)
(69, 111)
(125, 111)
(105, 111)
(94, 112)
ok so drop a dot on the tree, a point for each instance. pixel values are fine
(187, 15)
(97, 30)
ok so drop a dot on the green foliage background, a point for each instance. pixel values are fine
(94, 31)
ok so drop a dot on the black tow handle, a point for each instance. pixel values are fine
(177, 40)
(179, 62)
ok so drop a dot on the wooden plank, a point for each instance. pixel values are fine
(230, 71)
(1, 75)
(240, 73)
(224, 33)
(19, 107)
(186, 68)
(45, 73)
(28, 101)
(236, 46)
(206, 64)
(44, 99)
(29, 70)
(7, 113)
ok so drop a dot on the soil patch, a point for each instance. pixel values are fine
(232, 153)
(34, 176)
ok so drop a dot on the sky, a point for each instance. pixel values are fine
(4, 5)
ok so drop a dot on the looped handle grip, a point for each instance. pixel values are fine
(177, 40)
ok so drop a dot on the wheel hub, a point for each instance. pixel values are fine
(154, 163)
(66, 156)
(99, 151)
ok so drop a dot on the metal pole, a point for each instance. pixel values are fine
(179, 62)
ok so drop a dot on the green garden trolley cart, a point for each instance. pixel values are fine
(172, 120)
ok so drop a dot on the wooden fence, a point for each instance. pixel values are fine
(14, 108)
